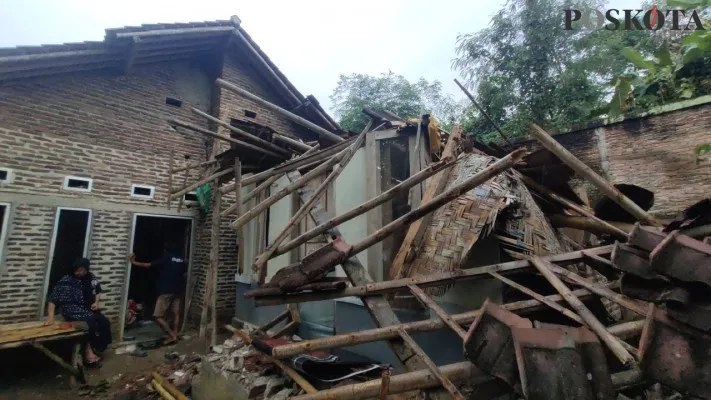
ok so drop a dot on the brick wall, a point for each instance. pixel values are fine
(110, 128)
(655, 152)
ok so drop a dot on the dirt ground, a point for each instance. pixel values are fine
(29, 375)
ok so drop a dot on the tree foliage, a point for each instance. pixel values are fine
(394, 93)
(525, 68)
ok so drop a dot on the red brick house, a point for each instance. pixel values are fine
(86, 153)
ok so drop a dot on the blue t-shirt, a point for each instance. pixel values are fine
(171, 277)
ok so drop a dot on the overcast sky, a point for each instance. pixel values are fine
(311, 41)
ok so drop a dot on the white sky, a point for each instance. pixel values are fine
(311, 41)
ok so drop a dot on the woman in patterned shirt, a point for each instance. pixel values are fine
(68, 295)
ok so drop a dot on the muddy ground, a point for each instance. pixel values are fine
(29, 375)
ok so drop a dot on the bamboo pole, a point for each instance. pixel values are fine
(423, 379)
(39, 346)
(481, 110)
(389, 332)
(443, 380)
(275, 321)
(161, 390)
(586, 172)
(385, 384)
(170, 176)
(261, 262)
(437, 279)
(439, 201)
(215, 260)
(269, 201)
(235, 207)
(300, 146)
(238, 208)
(206, 132)
(240, 132)
(324, 134)
(427, 301)
(185, 183)
(593, 323)
(290, 165)
(416, 232)
(193, 186)
(169, 387)
(571, 206)
(198, 165)
(413, 180)
(295, 376)
(271, 291)
(590, 225)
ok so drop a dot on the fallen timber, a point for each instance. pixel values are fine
(424, 379)
(623, 330)
(444, 278)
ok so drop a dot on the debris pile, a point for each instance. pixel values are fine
(591, 319)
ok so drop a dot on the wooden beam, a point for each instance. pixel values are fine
(269, 201)
(45, 56)
(301, 146)
(238, 209)
(191, 166)
(39, 346)
(261, 262)
(588, 224)
(171, 171)
(367, 206)
(428, 325)
(240, 132)
(193, 186)
(323, 133)
(586, 172)
(438, 279)
(181, 31)
(590, 320)
(185, 184)
(290, 165)
(214, 259)
(416, 232)
(443, 380)
(484, 113)
(429, 303)
(175, 122)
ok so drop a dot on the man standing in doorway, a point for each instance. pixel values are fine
(170, 286)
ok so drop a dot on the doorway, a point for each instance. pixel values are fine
(150, 235)
(70, 241)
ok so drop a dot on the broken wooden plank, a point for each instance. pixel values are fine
(443, 380)
(592, 322)
(416, 232)
(586, 172)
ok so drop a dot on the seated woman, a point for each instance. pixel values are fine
(68, 294)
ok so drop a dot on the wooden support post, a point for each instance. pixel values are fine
(369, 205)
(201, 182)
(593, 323)
(39, 346)
(78, 363)
(483, 112)
(171, 165)
(429, 303)
(443, 380)
(238, 209)
(215, 135)
(324, 134)
(240, 132)
(586, 172)
(261, 262)
(438, 279)
(548, 193)
(256, 210)
(215, 258)
(185, 184)
(416, 232)
(169, 387)
(439, 201)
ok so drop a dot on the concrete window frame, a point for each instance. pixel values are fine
(190, 201)
(9, 176)
(69, 178)
(135, 186)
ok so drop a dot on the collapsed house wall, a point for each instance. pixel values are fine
(654, 151)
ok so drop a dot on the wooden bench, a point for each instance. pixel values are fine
(35, 334)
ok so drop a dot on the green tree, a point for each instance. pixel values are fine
(526, 67)
(394, 93)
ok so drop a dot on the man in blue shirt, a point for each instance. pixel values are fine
(170, 286)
